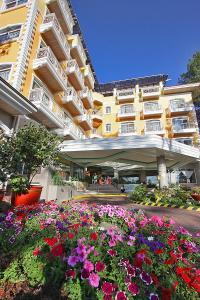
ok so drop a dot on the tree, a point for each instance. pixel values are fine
(193, 70)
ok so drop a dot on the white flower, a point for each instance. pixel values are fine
(150, 238)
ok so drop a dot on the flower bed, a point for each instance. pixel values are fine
(97, 252)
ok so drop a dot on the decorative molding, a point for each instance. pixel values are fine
(27, 37)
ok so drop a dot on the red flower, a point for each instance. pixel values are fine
(158, 251)
(108, 288)
(107, 297)
(166, 294)
(57, 250)
(133, 289)
(85, 274)
(99, 266)
(70, 274)
(51, 241)
(36, 251)
(148, 261)
(94, 236)
(169, 261)
(131, 271)
(155, 279)
(112, 252)
(70, 235)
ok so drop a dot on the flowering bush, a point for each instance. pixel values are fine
(95, 252)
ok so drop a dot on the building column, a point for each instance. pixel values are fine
(142, 176)
(197, 172)
(162, 172)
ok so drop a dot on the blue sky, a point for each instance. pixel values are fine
(133, 38)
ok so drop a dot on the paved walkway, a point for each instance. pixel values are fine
(188, 219)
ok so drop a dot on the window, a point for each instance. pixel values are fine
(127, 127)
(13, 3)
(177, 103)
(108, 109)
(180, 123)
(153, 125)
(5, 71)
(126, 109)
(9, 33)
(108, 127)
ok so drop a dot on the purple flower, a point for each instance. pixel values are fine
(72, 260)
(146, 278)
(153, 296)
(94, 280)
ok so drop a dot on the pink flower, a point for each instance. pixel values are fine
(72, 260)
(157, 220)
(133, 289)
(144, 222)
(112, 252)
(120, 296)
(88, 266)
(112, 243)
(99, 266)
(171, 222)
(94, 280)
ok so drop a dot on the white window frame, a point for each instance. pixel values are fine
(108, 113)
(106, 130)
(129, 124)
(149, 103)
(126, 109)
(16, 4)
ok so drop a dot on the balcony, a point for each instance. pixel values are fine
(153, 109)
(63, 14)
(54, 36)
(89, 77)
(86, 96)
(183, 128)
(75, 76)
(125, 96)
(178, 109)
(95, 134)
(70, 131)
(77, 50)
(49, 113)
(127, 113)
(72, 102)
(127, 130)
(152, 92)
(154, 128)
(49, 70)
(97, 118)
(85, 121)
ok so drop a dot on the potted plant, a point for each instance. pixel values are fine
(32, 147)
(196, 193)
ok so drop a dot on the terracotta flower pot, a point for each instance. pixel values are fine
(30, 198)
(196, 197)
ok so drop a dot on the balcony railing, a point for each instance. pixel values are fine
(184, 128)
(89, 77)
(77, 50)
(85, 121)
(12, 3)
(127, 130)
(61, 47)
(152, 109)
(10, 35)
(86, 96)
(180, 107)
(150, 92)
(46, 58)
(5, 74)
(154, 128)
(74, 74)
(63, 13)
(49, 111)
(124, 95)
(128, 112)
(73, 131)
(71, 98)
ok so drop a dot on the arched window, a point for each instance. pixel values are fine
(5, 71)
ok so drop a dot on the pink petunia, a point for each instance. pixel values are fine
(100, 266)
(94, 279)
(133, 289)
(88, 265)
(120, 296)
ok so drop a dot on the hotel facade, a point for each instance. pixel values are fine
(44, 58)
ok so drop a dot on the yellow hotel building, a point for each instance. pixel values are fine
(43, 56)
